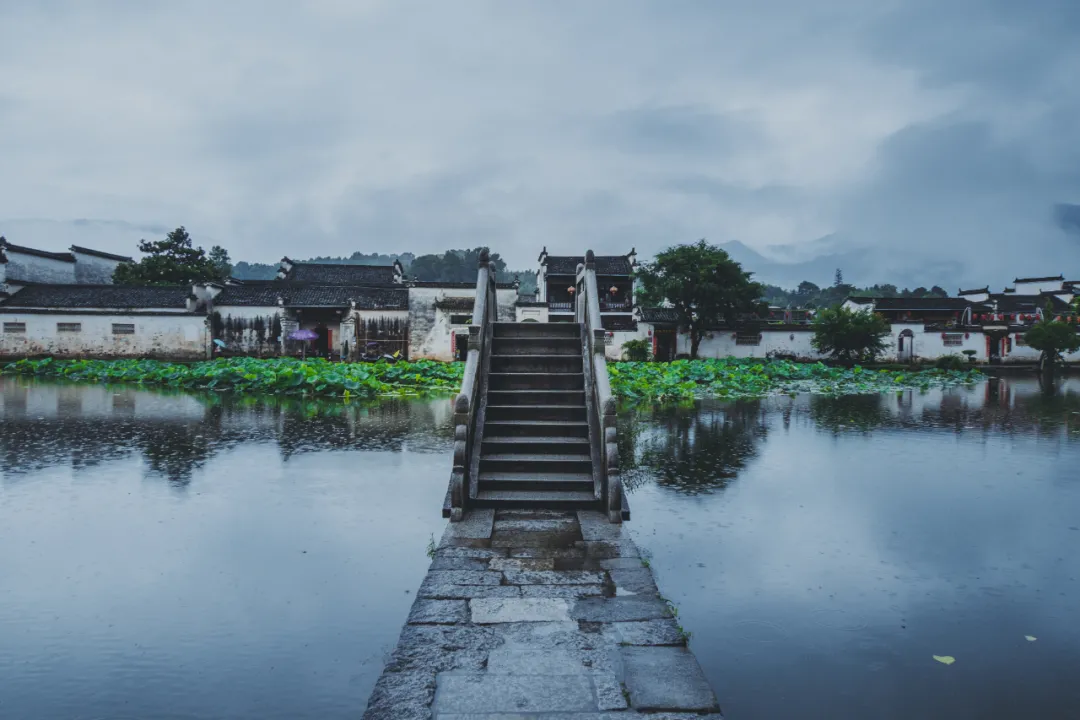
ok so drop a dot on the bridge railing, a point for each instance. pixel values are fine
(470, 404)
(601, 402)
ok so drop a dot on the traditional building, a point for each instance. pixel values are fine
(21, 266)
(351, 311)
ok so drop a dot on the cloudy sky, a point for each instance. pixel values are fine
(935, 130)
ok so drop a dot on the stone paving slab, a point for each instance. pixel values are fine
(629, 715)
(432, 590)
(567, 592)
(487, 611)
(476, 526)
(638, 581)
(439, 612)
(481, 692)
(666, 678)
(526, 615)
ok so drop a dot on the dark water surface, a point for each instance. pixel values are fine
(822, 551)
(166, 556)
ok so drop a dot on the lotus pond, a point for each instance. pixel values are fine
(204, 555)
(633, 381)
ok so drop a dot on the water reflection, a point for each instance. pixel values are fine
(176, 434)
(846, 541)
(165, 555)
(692, 449)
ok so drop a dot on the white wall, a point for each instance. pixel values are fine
(34, 268)
(246, 338)
(179, 336)
(539, 313)
(430, 327)
(929, 345)
(722, 344)
(1034, 288)
(93, 269)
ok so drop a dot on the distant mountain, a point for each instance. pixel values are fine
(862, 266)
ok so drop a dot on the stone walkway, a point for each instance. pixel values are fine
(538, 614)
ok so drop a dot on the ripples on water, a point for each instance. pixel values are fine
(165, 556)
(170, 556)
(822, 550)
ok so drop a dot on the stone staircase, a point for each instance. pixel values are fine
(536, 447)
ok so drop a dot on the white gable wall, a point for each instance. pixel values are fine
(37, 269)
(173, 336)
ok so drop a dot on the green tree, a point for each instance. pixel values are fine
(172, 261)
(704, 286)
(1052, 338)
(850, 335)
(219, 256)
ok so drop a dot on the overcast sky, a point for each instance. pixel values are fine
(940, 128)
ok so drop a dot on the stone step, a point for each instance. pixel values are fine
(542, 466)
(530, 330)
(565, 482)
(536, 346)
(534, 445)
(549, 499)
(536, 397)
(535, 428)
(536, 412)
(536, 363)
(535, 381)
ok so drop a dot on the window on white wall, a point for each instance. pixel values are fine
(1020, 341)
(69, 327)
(123, 329)
(15, 327)
(748, 338)
(461, 319)
(953, 339)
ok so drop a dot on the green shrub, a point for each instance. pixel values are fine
(951, 362)
(636, 351)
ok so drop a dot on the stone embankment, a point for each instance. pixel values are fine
(535, 614)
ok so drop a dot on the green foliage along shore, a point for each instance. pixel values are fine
(277, 376)
(736, 378)
(633, 381)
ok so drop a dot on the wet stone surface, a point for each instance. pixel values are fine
(530, 614)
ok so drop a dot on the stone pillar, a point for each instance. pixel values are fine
(347, 338)
(289, 325)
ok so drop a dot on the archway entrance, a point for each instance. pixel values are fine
(905, 346)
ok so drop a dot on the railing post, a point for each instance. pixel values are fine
(604, 401)
(466, 402)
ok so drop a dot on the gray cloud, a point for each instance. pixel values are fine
(934, 130)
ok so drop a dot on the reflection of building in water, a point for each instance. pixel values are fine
(84, 426)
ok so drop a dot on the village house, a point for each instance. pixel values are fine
(351, 310)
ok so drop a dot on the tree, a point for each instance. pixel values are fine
(850, 335)
(219, 256)
(703, 285)
(838, 280)
(1052, 338)
(172, 261)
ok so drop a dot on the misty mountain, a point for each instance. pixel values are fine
(862, 266)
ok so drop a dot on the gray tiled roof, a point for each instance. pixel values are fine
(659, 314)
(622, 323)
(267, 294)
(99, 296)
(100, 254)
(605, 264)
(65, 257)
(335, 274)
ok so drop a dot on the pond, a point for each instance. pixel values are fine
(173, 556)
